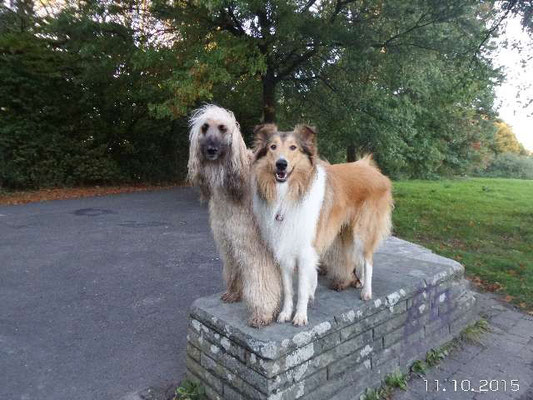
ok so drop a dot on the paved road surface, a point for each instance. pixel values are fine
(95, 292)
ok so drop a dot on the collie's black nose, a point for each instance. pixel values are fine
(281, 164)
(211, 150)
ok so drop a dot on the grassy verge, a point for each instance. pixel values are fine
(486, 224)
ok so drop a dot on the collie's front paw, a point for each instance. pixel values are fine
(299, 319)
(284, 316)
(366, 294)
(230, 297)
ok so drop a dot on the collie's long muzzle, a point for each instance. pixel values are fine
(281, 170)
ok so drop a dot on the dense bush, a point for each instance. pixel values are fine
(74, 106)
(510, 165)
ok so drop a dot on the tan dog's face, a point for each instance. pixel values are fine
(285, 155)
(214, 140)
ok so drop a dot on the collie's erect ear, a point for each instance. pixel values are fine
(264, 131)
(307, 136)
(307, 132)
(262, 134)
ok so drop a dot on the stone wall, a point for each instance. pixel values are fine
(421, 300)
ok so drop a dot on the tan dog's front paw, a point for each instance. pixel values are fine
(340, 285)
(299, 319)
(230, 297)
(258, 321)
(284, 316)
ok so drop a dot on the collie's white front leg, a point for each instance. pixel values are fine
(366, 292)
(286, 311)
(307, 277)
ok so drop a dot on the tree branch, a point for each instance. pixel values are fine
(338, 8)
(296, 63)
(308, 5)
(236, 21)
(493, 28)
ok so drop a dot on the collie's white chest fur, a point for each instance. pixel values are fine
(289, 226)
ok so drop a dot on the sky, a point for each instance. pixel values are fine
(517, 88)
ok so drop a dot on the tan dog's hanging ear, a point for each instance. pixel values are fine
(262, 135)
(306, 134)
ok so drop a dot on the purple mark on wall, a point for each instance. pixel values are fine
(418, 314)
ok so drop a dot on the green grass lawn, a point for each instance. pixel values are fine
(486, 224)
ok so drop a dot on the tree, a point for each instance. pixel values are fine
(405, 80)
(420, 104)
(298, 41)
(506, 141)
(75, 90)
(99, 91)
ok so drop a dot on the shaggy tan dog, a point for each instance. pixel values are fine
(219, 164)
(309, 210)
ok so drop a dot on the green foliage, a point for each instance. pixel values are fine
(98, 92)
(415, 102)
(419, 367)
(505, 140)
(189, 390)
(510, 165)
(474, 333)
(397, 380)
(372, 394)
(435, 356)
(485, 224)
(74, 104)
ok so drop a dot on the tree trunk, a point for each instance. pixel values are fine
(350, 153)
(269, 97)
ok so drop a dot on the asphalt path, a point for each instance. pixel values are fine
(95, 293)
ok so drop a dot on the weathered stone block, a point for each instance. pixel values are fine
(349, 345)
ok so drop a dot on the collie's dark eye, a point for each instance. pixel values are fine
(222, 128)
(205, 127)
(273, 146)
(293, 147)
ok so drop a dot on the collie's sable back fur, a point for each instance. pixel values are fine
(219, 164)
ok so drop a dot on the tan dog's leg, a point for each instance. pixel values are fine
(232, 276)
(262, 289)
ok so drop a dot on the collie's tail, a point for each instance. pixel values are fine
(368, 158)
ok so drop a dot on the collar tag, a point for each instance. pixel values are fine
(279, 217)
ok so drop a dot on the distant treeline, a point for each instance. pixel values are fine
(96, 92)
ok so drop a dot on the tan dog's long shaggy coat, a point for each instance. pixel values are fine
(219, 164)
(310, 210)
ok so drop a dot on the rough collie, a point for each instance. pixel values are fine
(309, 210)
(219, 164)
